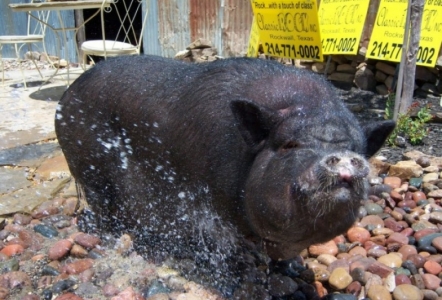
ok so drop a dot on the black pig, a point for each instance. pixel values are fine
(239, 143)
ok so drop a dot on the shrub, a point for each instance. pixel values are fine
(412, 129)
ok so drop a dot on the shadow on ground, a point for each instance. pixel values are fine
(49, 94)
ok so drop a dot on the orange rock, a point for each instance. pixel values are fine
(396, 196)
(407, 250)
(432, 282)
(358, 234)
(320, 289)
(358, 250)
(79, 266)
(419, 196)
(68, 296)
(432, 267)
(13, 249)
(392, 181)
(87, 241)
(325, 248)
(340, 239)
(60, 249)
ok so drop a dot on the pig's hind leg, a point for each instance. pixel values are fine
(97, 216)
(101, 173)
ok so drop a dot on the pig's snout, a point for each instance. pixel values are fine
(344, 167)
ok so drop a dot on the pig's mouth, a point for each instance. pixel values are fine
(343, 184)
(334, 183)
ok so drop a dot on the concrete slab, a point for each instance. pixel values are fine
(32, 166)
(27, 115)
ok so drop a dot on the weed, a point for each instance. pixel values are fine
(410, 128)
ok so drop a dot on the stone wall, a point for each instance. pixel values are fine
(344, 70)
(374, 75)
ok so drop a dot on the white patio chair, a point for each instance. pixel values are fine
(128, 40)
(35, 34)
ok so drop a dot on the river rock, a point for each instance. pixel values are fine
(340, 279)
(407, 292)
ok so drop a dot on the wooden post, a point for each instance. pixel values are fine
(407, 67)
(397, 100)
(417, 9)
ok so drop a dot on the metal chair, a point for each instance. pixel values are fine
(128, 40)
(35, 34)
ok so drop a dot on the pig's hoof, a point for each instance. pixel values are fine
(87, 221)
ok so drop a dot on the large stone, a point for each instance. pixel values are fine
(28, 155)
(389, 82)
(378, 167)
(378, 292)
(325, 248)
(382, 89)
(301, 64)
(25, 200)
(424, 74)
(200, 44)
(340, 279)
(13, 179)
(405, 170)
(386, 68)
(339, 59)
(319, 67)
(33, 55)
(380, 76)
(364, 79)
(54, 167)
(435, 194)
(430, 177)
(407, 292)
(183, 54)
(429, 88)
(337, 76)
(346, 68)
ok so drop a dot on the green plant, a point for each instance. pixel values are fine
(389, 108)
(410, 128)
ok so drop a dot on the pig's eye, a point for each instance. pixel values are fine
(290, 145)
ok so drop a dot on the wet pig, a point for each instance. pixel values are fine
(265, 149)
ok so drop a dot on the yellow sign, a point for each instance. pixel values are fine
(341, 24)
(252, 51)
(431, 33)
(289, 28)
(388, 32)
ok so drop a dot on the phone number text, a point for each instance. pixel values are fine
(292, 51)
(393, 51)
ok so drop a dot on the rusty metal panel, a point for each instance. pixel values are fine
(237, 21)
(14, 23)
(174, 24)
(167, 30)
(206, 20)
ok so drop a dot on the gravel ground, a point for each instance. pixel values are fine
(394, 251)
(373, 109)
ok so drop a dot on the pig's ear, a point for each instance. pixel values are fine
(255, 121)
(376, 133)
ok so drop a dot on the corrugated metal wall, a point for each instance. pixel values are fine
(171, 26)
(14, 23)
(174, 24)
